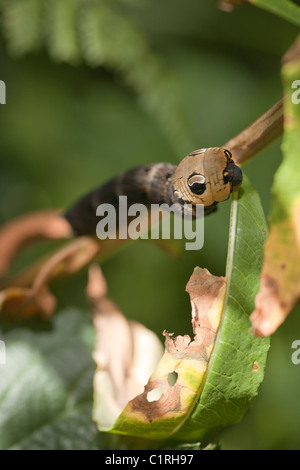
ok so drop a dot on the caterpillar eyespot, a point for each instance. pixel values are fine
(197, 183)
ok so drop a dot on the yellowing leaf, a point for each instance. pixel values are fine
(280, 279)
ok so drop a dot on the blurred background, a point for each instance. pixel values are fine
(147, 82)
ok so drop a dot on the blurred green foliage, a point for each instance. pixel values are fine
(77, 115)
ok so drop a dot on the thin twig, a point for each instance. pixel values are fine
(252, 140)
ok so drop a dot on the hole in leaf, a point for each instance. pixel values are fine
(155, 394)
(172, 378)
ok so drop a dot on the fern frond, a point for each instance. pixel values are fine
(94, 31)
(22, 25)
(61, 30)
(108, 38)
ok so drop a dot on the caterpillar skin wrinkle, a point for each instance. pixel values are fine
(205, 176)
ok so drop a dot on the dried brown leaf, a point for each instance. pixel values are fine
(280, 279)
(22, 231)
(27, 294)
(36, 299)
(125, 352)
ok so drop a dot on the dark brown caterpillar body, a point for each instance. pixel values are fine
(206, 176)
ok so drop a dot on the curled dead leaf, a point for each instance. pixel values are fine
(27, 294)
(36, 299)
(26, 229)
(16, 302)
(126, 353)
(280, 279)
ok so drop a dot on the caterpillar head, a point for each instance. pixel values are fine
(206, 176)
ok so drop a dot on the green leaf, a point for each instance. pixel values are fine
(284, 8)
(236, 366)
(46, 386)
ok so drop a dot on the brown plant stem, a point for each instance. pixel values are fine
(262, 132)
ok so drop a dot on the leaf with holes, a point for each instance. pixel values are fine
(211, 380)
